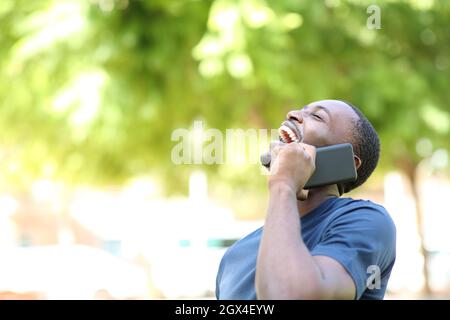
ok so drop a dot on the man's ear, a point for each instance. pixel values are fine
(357, 162)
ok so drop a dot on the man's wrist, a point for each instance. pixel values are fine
(281, 187)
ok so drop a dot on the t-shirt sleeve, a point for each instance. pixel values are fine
(219, 274)
(359, 239)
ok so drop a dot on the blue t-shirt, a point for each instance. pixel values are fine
(359, 234)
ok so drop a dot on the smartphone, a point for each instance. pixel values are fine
(334, 164)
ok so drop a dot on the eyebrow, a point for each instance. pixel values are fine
(317, 106)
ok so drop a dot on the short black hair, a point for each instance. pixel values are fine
(366, 145)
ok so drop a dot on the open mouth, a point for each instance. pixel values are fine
(289, 132)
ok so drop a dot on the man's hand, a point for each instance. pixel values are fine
(292, 164)
(285, 268)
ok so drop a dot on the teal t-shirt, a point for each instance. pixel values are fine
(359, 234)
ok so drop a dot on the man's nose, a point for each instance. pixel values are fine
(295, 115)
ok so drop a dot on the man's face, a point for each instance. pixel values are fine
(324, 122)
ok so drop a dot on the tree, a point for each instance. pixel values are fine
(91, 91)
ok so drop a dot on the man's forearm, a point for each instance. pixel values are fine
(285, 268)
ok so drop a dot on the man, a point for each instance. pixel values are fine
(315, 245)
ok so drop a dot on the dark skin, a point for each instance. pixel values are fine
(285, 268)
(321, 127)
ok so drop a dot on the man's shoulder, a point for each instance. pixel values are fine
(349, 205)
(365, 212)
(245, 240)
(256, 234)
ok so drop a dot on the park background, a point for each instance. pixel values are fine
(92, 205)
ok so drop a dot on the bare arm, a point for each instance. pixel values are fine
(285, 268)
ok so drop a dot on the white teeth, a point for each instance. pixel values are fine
(286, 132)
(284, 128)
(283, 134)
(287, 129)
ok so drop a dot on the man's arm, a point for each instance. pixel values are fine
(285, 268)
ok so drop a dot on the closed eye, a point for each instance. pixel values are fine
(316, 116)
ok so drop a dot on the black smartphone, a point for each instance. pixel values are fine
(334, 164)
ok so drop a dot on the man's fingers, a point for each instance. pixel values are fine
(267, 157)
(311, 150)
(275, 147)
(276, 144)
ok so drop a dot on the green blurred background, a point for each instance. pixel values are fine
(91, 91)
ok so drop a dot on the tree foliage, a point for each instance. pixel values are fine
(92, 90)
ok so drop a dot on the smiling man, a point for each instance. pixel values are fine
(315, 244)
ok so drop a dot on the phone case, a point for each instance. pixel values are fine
(334, 164)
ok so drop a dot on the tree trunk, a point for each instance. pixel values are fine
(410, 169)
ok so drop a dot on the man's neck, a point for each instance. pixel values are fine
(315, 198)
